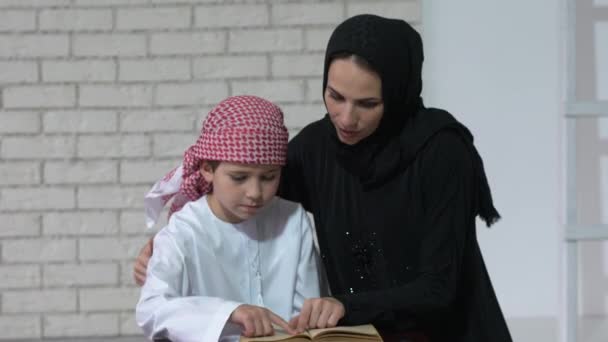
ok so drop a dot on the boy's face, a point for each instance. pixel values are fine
(240, 190)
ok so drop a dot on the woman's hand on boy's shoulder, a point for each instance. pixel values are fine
(141, 262)
(318, 313)
(257, 321)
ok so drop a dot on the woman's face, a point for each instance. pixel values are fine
(353, 98)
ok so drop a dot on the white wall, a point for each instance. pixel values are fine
(496, 65)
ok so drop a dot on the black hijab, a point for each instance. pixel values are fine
(393, 49)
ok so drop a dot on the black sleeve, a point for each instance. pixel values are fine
(293, 183)
(447, 175)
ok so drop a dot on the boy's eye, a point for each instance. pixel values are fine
(269, 177)
(238, 178)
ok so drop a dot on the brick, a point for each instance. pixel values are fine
(305, 14)
(22, 276)
(133, 222)
(186, 1)
(68, 275)
(276, 91)
(19, 225)
(42, 147)
(79, 71)
(31, 45)
(407, 10)
(314, 90)
(155, 70)
(298, 116)
(231, 16)
(111, 197)
(157, 120)
(109, 45)
(115, 248)
(80, 325)
(18, 72)
(20, 326)
(93, 3)
(113, 146)
(17, 20)
(153, 18)
(33, 3)
(81, 121)
(298, 65)
(81, 172)
(39, 301)
(38, 250)
(39, 96)
(172, 145)
(230, 67)
(106, 299)
(27, 198)
(19, 122)
(126, 271)
(188, 43)
(202, 110)
(317, 38)
(128, 325)
(147, 172)
(19, 173)
(116, 95)
(76, 19)
(265, 40)
(191, 93)
(80, 223)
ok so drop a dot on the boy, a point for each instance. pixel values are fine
(233, 259)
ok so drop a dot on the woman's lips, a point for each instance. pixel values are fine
(347, 133)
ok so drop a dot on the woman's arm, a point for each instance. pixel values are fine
(141, 262)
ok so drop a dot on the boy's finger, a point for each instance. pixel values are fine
(304, 316)
(293, 323)
(267, 325)
(248, 330)
(282, 323)
(259, 328)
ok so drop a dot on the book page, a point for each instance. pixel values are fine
(365, 330)
(279, 335)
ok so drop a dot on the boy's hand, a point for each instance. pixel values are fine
(257, 321)
(141, 263)
(318, 313)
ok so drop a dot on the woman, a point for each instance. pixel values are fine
(394, 189)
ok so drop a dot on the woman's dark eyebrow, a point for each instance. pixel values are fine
(358, 100)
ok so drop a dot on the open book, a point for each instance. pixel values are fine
(359, 333)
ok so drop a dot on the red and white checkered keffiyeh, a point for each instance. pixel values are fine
(242, 129)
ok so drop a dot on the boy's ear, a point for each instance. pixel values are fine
(206, 171)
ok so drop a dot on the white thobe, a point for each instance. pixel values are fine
(203, 268)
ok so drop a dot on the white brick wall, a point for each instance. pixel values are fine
(100, 98)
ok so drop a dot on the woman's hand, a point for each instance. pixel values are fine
(318, 313)
(257, 321)
(141, 263)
